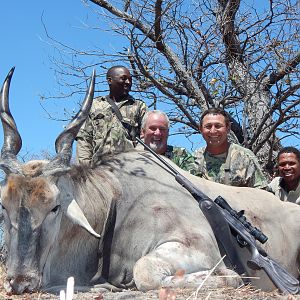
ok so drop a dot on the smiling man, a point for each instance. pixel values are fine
(103, 133)
(287, 185)
(222, 161)
(155, 133)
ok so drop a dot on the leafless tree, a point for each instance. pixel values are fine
(189, 55)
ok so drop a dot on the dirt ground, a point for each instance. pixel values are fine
(242, 293)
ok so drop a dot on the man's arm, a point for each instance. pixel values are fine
(142, 111)
(84, 146)
(259, 180)
(198, 167)
(184, 159)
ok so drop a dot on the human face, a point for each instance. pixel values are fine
(215, 131)
(120, 83)
(156, 132)
(289, 168)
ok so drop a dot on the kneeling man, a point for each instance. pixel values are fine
(155, 133)
(287, 185)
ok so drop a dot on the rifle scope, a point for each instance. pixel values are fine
(255, 232)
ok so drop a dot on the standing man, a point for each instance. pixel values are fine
(222, 161)
(155, 133)
(103, 132)
(287, 185)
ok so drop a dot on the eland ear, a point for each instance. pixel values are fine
(75, 213)
(71, 207)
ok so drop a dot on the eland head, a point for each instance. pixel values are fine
(35, 196)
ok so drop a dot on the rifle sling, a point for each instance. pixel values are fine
(210, 210)
(118, 114)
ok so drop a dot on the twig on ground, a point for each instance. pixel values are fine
(205, 279)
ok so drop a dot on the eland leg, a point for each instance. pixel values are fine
(175, 265)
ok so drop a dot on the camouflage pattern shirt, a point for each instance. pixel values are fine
(276, 186)
(103, 133)
(238, 167)
(181, 157)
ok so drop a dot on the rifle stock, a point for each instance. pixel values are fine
(283, 280)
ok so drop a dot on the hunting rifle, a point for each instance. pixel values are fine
(225, 223)
(244, 233)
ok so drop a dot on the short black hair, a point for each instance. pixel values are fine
(111, 70)
(290, 149)
(215, 111)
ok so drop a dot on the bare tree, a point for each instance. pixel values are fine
(188, 55)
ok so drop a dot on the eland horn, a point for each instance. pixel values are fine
(12, 140)
(64, 142)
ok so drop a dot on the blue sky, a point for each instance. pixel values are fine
(24, 45)
(21, 46)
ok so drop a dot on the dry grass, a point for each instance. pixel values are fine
(204, 293)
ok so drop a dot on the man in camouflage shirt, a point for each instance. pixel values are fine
(287, 185)
(155, 133)
(103, 133)
(225, 162)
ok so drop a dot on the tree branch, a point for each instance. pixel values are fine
(288, 67)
